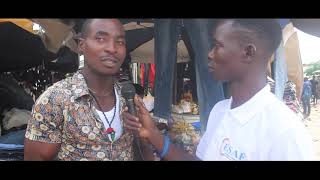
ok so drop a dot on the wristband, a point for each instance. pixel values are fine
(166, 145)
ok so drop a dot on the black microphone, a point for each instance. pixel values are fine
(128, 91)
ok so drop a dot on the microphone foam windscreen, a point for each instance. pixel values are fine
(128, 90)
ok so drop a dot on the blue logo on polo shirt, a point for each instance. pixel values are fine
(231, 152)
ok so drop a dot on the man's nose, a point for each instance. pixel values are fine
(110, 47)
(210, 55)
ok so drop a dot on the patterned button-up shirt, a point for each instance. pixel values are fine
(64, 114)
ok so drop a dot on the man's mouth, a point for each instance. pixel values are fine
(109, 61)
(211, 67)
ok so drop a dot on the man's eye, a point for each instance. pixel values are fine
(121, 43)
(216, 44)
(100, 39)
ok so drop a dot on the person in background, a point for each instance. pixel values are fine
(306, 96)
(314, 87)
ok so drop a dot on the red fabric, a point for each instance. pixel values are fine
(152, 74)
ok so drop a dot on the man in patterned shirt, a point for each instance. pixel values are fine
(79, 118)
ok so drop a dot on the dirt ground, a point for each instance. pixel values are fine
(313, 125)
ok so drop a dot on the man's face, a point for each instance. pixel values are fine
(225, 59)
(104, 46)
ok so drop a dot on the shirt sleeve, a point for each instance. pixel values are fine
(293, 146)
(46, 122)
(202, 147)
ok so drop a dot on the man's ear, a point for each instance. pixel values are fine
(81, 45)
(249, 52)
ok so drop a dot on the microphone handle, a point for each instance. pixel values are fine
(132, 110)
(131, 107)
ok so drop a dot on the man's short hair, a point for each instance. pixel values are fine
(267, 31)
(85, 27)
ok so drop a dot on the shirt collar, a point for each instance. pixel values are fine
(81, 88)
(246, 111)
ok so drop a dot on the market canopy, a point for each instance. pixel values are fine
(145, 53)
(20, 49)
(61, 31)
(309, 26)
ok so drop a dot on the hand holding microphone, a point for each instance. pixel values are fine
(139, 121)
(136, 117)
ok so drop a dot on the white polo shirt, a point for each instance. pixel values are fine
(263, 128)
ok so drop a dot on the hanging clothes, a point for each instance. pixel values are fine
(138, 73)
(289, 96)
(166, 38)
(291, 99)
(142, 74)
(134, 71)
(146, 77)
(152, 75)
(147, 73)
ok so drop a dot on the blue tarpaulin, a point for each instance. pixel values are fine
(283, 22)
(280, 65)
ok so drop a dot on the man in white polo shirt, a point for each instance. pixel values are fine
(253, 124)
